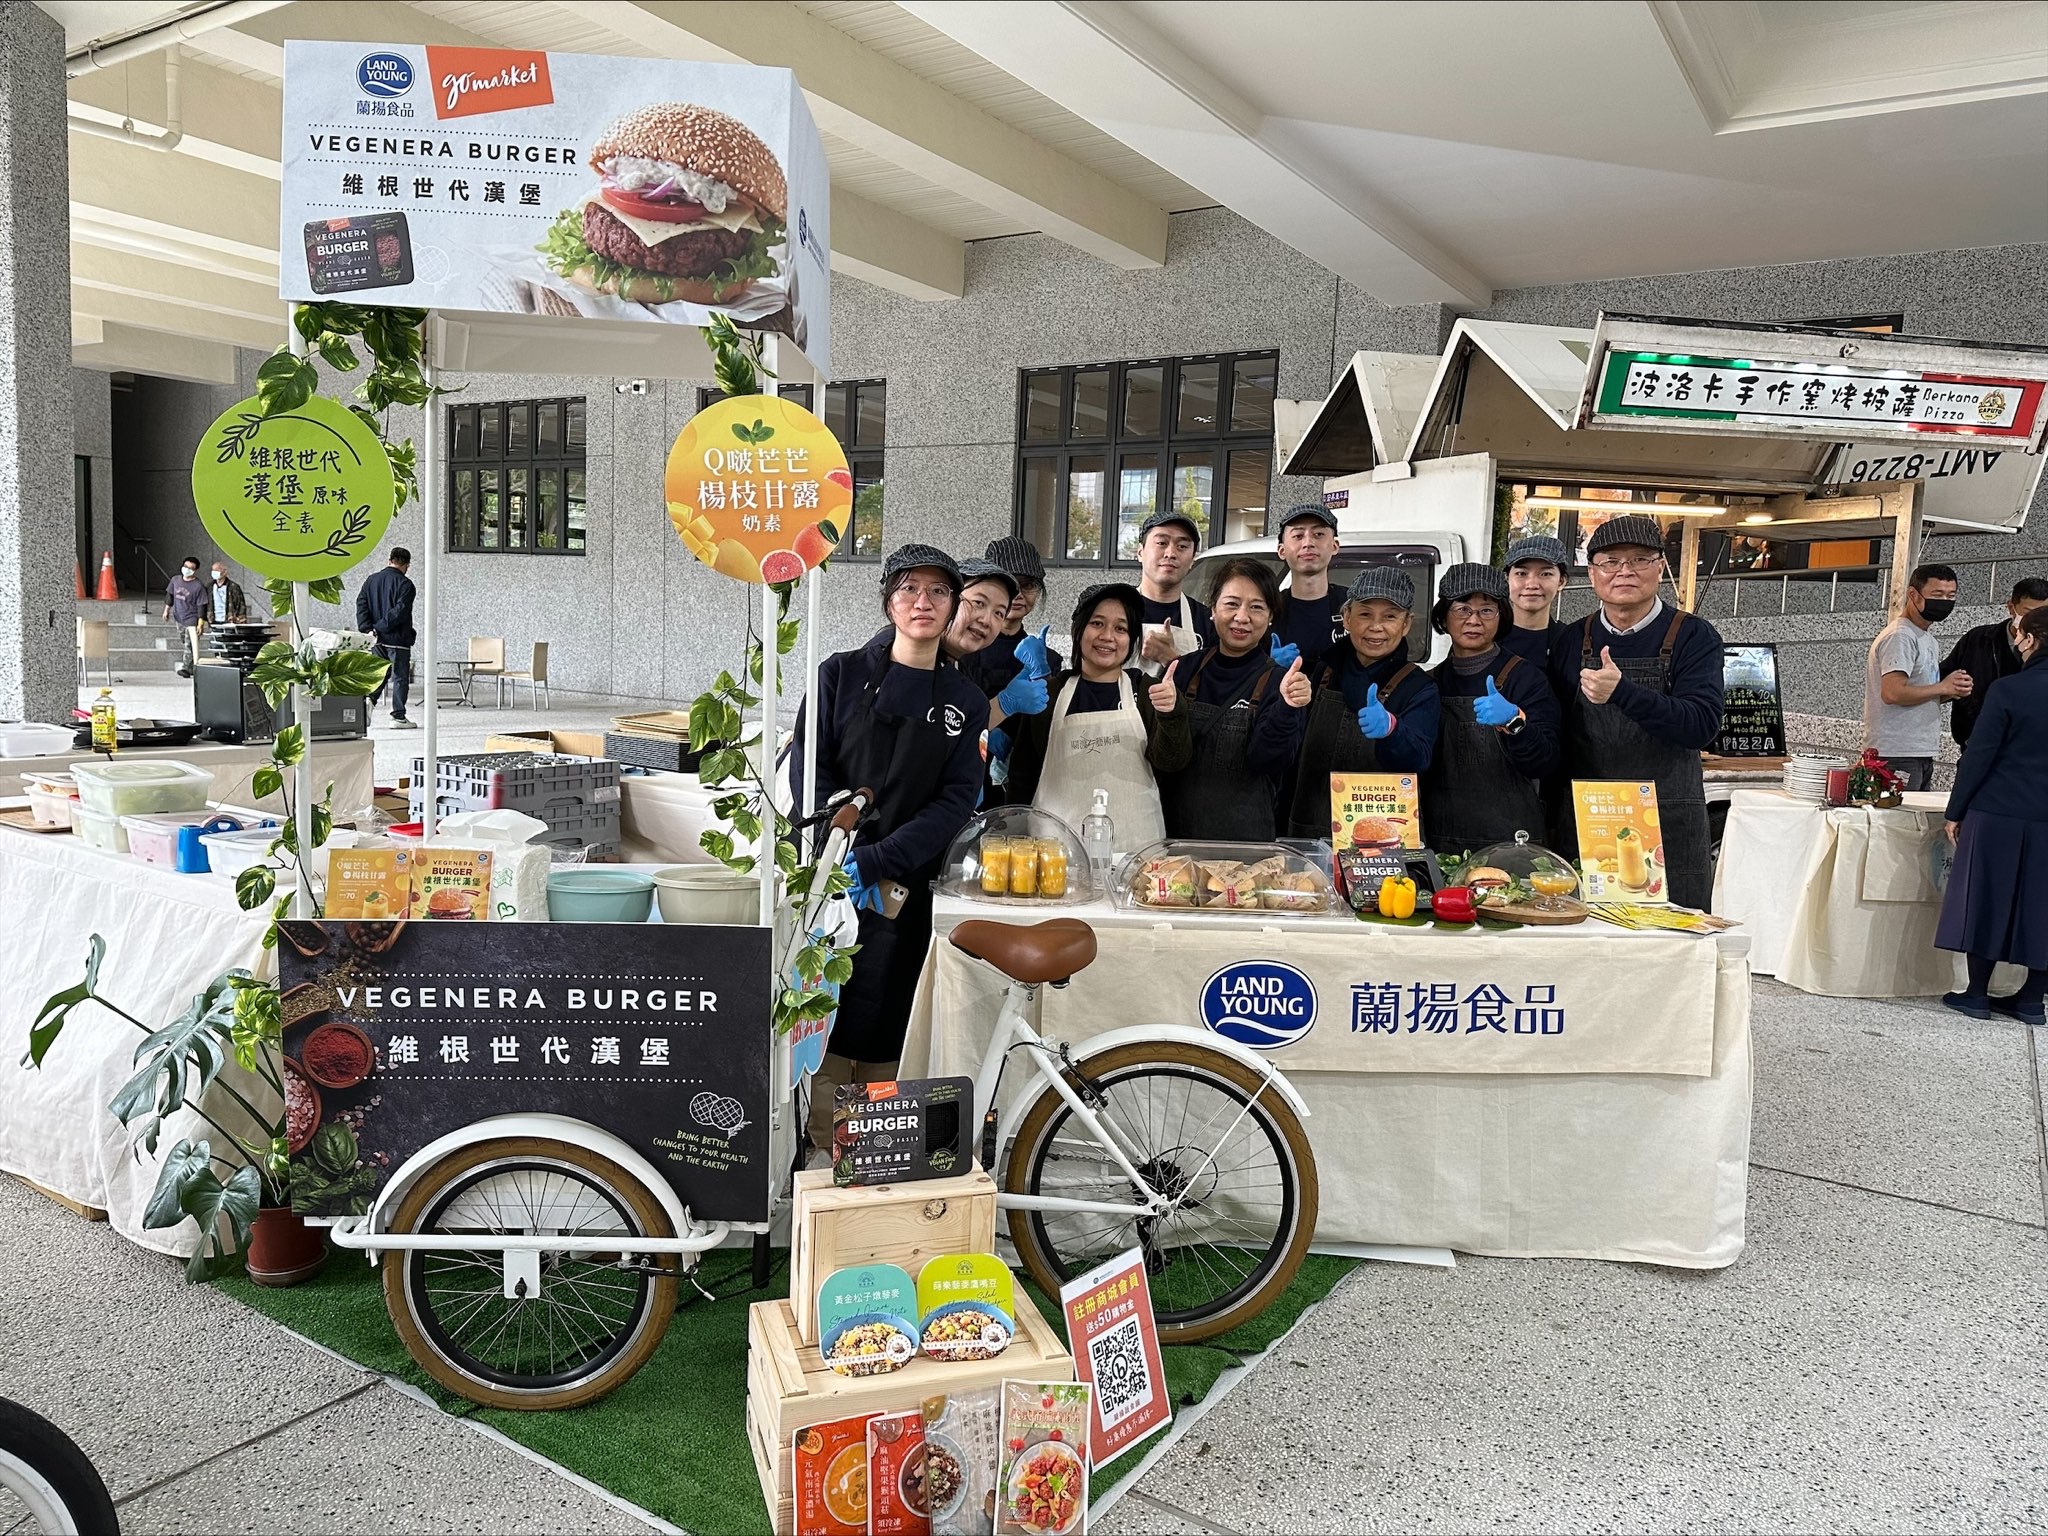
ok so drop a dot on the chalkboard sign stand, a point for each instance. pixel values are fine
(1753, 708)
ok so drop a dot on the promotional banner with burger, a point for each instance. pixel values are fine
(563, 184)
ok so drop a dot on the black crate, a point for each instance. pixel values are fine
(666, 752)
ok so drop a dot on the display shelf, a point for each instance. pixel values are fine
(904, 1224)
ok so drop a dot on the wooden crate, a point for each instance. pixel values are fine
(566, 743)
(903, 1224)
(789, 1386)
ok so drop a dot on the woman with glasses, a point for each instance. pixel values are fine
(1496, 737)
(1245, 710)
(892, 719)
(1375, 711)
(1640, 681)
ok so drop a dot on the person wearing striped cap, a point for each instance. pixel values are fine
(996, 664)
(892, 718)
(1496, 737)
(1374, 710)
(1640, 682)
(1535, 569)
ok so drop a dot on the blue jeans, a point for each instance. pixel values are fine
(398, 679)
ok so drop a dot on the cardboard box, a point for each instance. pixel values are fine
(903, 1224)
(567, 743)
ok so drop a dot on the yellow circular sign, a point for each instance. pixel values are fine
(758, 489)
(302, 495)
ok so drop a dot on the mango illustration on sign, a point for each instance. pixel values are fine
(758, 489)
(302, 495)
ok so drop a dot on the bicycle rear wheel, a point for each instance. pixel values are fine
(44, 1472)
(1207, 1131)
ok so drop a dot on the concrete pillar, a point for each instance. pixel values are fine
(37, 638)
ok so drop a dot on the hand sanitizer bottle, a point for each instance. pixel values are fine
(1098, 836)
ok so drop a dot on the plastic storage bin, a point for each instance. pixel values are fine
(155, 839)
(103, 832)
(50, 801)
(141, 789)
(25, 738)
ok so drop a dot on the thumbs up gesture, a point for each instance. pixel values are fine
(1165, 697)
(1159, 646)
(1492, 709)
(1598, 683)
(1283, 654)
(1294, 687)
(1032, 654)
(1373, 720)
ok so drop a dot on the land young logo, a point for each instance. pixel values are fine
(1260, 1003)
(384, 74)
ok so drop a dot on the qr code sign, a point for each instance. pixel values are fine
(1122, 1384)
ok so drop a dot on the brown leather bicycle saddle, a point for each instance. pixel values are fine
(1050, 951)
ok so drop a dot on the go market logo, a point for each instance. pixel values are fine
(384, 75)
(1260, 1003)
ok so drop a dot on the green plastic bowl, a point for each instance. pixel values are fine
(599, 895)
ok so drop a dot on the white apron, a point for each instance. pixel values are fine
(1104, 750)
(1186, 639)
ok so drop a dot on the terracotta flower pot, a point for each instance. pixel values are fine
(283, 1250)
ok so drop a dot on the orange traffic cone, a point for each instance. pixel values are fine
(78, 576)
(107, 592)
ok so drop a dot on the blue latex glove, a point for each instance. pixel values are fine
(1374, 720)
(1492, 709)
(862, 894)
(1285, 656)
(1024, 694)
(1033, 657)
(998, 744)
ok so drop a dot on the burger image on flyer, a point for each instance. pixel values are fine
(689, 207)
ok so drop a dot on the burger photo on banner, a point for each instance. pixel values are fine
(509, 180)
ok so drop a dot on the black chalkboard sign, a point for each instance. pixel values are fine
(374, 251)
(913, 1128)
(406, 1031)
(1752, 713)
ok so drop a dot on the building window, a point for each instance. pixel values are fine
(516, 478)
(1102, 446)
(857, 413)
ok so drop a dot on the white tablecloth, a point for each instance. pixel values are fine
(351, 764)
(167, 935)
(1839, 901)
(1651, 1167)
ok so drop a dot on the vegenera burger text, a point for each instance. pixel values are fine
(439, 149)
(428, 999)
(867, 1125)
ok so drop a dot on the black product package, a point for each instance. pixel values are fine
(373, 251)
(914, 1128)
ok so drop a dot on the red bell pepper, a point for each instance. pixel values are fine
(1454, 904)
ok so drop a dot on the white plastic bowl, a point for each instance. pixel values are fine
(708, 893)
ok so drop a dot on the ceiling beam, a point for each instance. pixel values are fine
(873, 103)
(195, 201)
(122, 350)
(228, 118)
(148, 313)
(1101, 63)
(879, 245)
(171, 283)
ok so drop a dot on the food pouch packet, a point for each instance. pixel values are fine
(960, 1449)
(897, 1502)
(1227, 883)
(1167, 883)
(830, 1470)
(1042, 1485)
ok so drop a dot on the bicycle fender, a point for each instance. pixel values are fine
(554, 1128)
(1139, 1034)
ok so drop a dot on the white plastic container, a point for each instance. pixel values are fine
(708, 893)
(141, 789)
(154, 839)
(102, 832)
(20, 738)
(50, 807)
(229, 853)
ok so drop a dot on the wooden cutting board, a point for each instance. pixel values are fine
(1541, 917)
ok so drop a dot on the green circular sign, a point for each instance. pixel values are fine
(302, 495)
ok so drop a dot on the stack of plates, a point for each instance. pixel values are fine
(1806, 778)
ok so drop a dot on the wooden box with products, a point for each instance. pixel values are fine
(904, 1224)
(789, 1386)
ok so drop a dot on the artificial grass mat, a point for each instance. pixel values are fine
(673, 1439)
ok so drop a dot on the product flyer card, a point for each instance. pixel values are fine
(898, 1504)
(1042, 1488)
(865, 1319)
(830, 1478)
(914, 1128)
(369, 883)
(960, 1461)
(1621, 840)
(1115, 1339)
(968, 1306)
(1374, 810)
(451, 884)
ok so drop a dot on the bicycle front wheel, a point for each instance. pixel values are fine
(1211, 1135)
(43, 1472)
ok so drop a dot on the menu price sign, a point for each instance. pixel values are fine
(1374, 810)
(1621, 840)
(1115, 1339)
(914, 1128)
(1753, 711)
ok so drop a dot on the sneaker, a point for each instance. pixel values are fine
(2010, 1008)
(399, 723)
(1965, 1003)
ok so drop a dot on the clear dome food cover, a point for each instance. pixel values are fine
(1017, 855)
(1529, 871)
(1182, 875)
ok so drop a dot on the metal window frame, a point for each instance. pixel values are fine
(562, 460)
(1115, 447)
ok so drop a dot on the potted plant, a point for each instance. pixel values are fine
(1872, 782)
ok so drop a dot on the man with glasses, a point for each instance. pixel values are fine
(1641, 684)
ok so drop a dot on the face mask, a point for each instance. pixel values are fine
(219, 577)
(1935, 609)
(191, 571)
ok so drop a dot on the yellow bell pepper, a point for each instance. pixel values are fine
(1397, 896)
